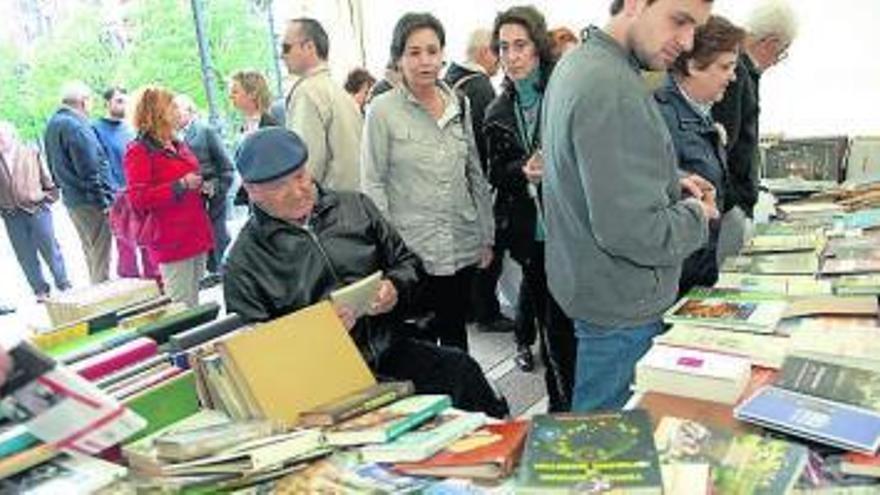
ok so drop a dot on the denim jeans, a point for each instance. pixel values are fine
(606, 360)
(31, 234)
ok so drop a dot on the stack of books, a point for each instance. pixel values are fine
(689, 372)
(78, 304)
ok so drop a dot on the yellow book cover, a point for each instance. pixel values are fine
(297, 362)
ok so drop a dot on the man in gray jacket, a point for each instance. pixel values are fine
(620, 220)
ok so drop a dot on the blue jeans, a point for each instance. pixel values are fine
(31, 234)
(606, 360)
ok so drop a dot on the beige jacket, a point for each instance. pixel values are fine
(329, 122)
(24, 182)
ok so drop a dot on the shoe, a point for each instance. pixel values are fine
(498, 325)
(41, 298)
(524, 359)
(5, 310)
(210, 280)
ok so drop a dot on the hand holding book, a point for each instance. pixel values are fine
(386, 298)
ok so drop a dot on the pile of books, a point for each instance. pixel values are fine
(78, 304)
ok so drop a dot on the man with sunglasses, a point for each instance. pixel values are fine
(319, 110)
(771, 27)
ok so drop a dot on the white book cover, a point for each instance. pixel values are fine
(696, 362)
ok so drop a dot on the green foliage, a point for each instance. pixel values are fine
(159, 48)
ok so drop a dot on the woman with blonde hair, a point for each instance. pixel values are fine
(250, 95)
(164, 182)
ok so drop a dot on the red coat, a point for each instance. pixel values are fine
(184, 229)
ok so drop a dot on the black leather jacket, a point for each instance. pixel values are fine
(515, 213)
(275, 267)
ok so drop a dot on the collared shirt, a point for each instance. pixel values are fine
(425, 176)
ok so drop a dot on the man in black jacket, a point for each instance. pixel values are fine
(216, 169)
(771, 28)
(471, 79)
(303, 241)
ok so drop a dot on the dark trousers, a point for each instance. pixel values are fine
(448, 296)
(217, 212)
(537, 314)
(441, 370)
(31, 234)
(484, 307)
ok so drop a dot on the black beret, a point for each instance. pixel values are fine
(270, 153)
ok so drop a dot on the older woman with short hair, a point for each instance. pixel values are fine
(697, 80)
(164, 182)
(419, 163)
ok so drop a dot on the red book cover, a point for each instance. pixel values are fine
(860, 464)
(488, 453)
(107, 362)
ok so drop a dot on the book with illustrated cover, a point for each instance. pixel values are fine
(61, 408)
(687, 479)
(742, 464)
(356, 403)
(728, 308)
(490, 453)
(427, 439)
(358, 296)
(591, 453)
(388, 422)
(820, 420)
(845, 384)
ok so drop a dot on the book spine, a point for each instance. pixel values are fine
(116, 359)
(417, 418)
(54, 338)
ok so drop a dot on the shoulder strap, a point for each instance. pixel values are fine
(458, 84)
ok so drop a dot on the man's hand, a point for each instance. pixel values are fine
(5, 366)
(534, 168)
(346, 315)
(696, 186)
(486, 255)
(386, 298)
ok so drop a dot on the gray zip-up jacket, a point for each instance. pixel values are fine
(425, 177)
(617, 227)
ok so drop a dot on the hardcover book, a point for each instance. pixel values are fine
(742, 464)
(388, 422)
(820, 420)
(728, 308)
(489, 453)
(358, 296)
(68, 473)
(357, 403)
(593, 453)
(767, 350)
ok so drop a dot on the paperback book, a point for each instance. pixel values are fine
(728, 308)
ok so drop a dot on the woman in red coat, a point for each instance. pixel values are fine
(164, 181)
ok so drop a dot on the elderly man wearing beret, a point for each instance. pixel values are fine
(302, 241)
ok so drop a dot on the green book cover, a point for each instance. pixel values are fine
(166, 403)
(592, 453)
(846, 384)
(741, 464)
(388, 422)
(67, 351)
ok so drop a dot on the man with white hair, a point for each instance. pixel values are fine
(471, 79)
(80, 166)
(26, 192)
(771, 27)
(216, 169)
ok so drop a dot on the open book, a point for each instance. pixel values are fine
(358, 296)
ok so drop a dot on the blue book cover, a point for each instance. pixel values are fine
(821, 420)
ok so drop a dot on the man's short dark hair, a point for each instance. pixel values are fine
(410, 22)
(356, 80)
(313, 31)
(617, 5)
(112, 91)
